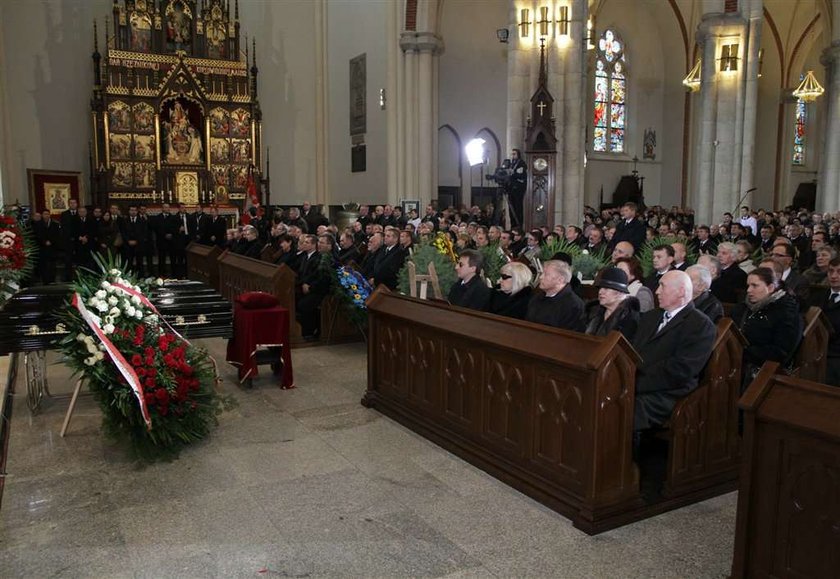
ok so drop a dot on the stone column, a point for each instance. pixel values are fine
(725, 136)
(828, 189)
(322, 109)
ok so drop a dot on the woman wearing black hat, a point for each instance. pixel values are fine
(615, 309)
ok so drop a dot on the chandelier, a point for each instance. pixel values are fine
(809, 89)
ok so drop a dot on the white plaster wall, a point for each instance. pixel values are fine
(472, 80)
(355, 28)
(655, 64)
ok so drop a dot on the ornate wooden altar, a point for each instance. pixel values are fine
(174, 110)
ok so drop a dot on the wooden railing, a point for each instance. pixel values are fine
(203, 263)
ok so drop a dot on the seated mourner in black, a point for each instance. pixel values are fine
(559, 306)
(514, 293)
(770, 321)
(828, 300)
(470, 291)
(704, 300)
(615, 308)
(674, 342)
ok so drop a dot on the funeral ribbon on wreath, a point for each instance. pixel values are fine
(117, 358)
(145, 301)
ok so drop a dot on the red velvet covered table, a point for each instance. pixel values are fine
(256, 328)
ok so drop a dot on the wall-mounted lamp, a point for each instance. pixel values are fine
(563, 21)
(503, 34)
(760, 62)
(729, 57)
(524, 23)
(382, 99)
(692, 79)
(543, 21)
(590, 34)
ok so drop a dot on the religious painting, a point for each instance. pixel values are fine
(53, 190)
(140, 37)
(119, 117)
(241, 151)
(178, 18)
(144, 175)
(120, 146)
(144, 118)
(409, 205)
(222, 195)
(219, 122)
(186, 187)
(219, 150)
(240, 176)
(216, 36)
(144, 147)
(182, 120)
(123, 176)
(358, 89)
(221, 175)
(240, 123)
(649, 145)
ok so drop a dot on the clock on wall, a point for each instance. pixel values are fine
(540, 164)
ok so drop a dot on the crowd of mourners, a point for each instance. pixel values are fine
(763, 269)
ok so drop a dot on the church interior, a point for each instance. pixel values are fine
(412, 443)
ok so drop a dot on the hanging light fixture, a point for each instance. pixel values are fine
(809, 89)
(692, 79)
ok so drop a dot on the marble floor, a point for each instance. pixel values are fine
(306, 482)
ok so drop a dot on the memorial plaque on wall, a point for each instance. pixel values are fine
(358, 101)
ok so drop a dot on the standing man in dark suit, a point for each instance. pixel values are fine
(559, 306)
(200, 218)
(69, 233)
(85, 240)
(135, 236)
(215, 228)
(165, 227)
(310, 287)
(674, 342)
(389, 260)
(630, 228)
(517, 186)
(470, 291)
(48, 235)
(828, 301)
(185, 232)
(313, 217)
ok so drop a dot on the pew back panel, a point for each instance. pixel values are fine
(547, 411)
(203, 263)
(789, 499)
(812, 355)
(704, 445)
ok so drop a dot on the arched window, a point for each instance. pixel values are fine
(609, 118)
(799, 132)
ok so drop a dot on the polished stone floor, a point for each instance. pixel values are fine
(301, 483)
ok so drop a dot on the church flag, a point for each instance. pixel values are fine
(252, 198)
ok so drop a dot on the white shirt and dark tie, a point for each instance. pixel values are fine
(668, 316)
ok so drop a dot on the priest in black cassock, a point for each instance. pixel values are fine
(470, 291)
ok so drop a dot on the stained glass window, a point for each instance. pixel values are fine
(609, 117)
(799, 133)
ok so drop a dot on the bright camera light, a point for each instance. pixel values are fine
(475, 152)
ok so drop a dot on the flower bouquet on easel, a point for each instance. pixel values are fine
(155, 389)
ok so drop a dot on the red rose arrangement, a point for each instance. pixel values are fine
(156, 390)
(17, 251)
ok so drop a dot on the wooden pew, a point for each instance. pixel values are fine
(704, 445)
(239, 274)
(547, 411)
(203, 263)
(812, 354)
(788, 506)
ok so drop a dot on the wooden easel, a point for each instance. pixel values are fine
(423, 280)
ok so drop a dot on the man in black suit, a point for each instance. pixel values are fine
(674, 342)
(374, 246)
(795, 283)
(166, 228)
(596, 242)
(85, 240)
(348, 252)
(215, 227)
(517, 186)
(470, 291)
(251, 246)
(431, 216)
(730, 285)
(703, 242)
(558, 306)
(767, 238)
(389, 260)
(135, 235)
(185, 231)
(828, 301)
(630, 228)
(69, 233)
(704, 301)
(313, 217)
(310, 288)
(48, 236)
(679, 256)
(663, 262)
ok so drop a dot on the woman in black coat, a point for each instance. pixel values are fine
(615, 309)
(514, 293)
(770, 321)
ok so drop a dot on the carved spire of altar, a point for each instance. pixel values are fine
(543, 73)
(254, 69)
